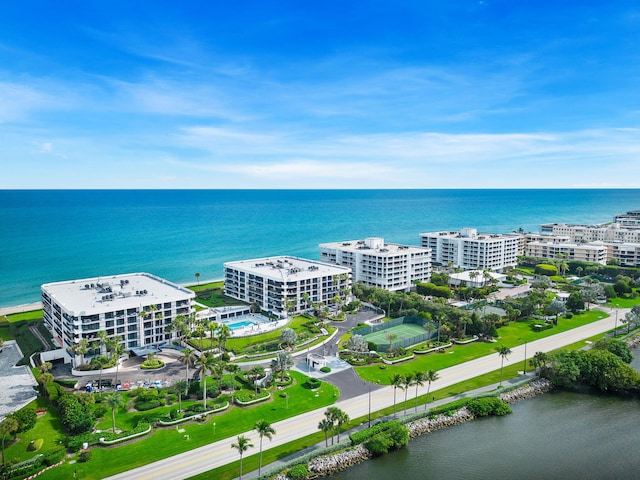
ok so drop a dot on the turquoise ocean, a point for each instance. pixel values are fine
(54, 235)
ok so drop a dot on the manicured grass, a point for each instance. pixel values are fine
(619, 302)
(47, 427)
(166, 442)
(5, 330)
(212, 295)
(513, 334)
(32, 315)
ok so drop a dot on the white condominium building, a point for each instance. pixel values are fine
(384, 265)
(286, 284)
(470, 250)
(586, 252)
(135, 308)
(593, 233)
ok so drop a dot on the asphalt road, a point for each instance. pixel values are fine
(220, 452)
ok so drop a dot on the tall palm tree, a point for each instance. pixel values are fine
(503, 351)
(206, 362)
(212, 327)
(332, 414)
(232, 369)
(341, 418)
(407, 381)
(103, 338)
(114, 401)
(396, 381)
(198, 277)
(44, 379)
(264, 429)
(418, 381)
(242, 444)
(180, 386)
(118, 350)
(188, 359)
(255, 372)
(81, 348)
(429, 376)
(223, 334)
(326, 425)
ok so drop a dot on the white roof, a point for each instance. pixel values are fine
(90, 296)
(287, 268)
(466, 276)
(374, 245)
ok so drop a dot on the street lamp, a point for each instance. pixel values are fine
(369, 389)
(214, 429)
(524, 368)
(615, 328)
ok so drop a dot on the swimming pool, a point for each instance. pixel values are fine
(235, 326)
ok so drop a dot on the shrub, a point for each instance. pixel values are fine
(35, 445)
(175, 414)
(482, 407)
(379, 444)
(568, 315)
(546, 270)
(298, 472)
(84, 456)
(312, 383)
(144, 406)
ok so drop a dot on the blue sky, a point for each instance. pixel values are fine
(332, 94)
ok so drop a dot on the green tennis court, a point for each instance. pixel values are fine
(402, 332)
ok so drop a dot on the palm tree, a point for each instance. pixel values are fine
(430, 376)
(418, 381)
(206, 362)
(396, 381)
(242, 445)
(255, 372)
(503, 351)
(232, 368)
(118, 350)
(44, 379)
(332, 414)
(264, 429)
(180, 386)
(81, 348)
(188, 359)
(213, 327)
(341, 418)
(103, 338)
(198, 277)
(407, 381)
(114, 401)
(282, 363)
(224, 332)
(540, 360)
(326, 425)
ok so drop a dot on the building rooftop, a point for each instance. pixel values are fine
(118, 292)
(375, 244)
(472, 234)
(288, 268)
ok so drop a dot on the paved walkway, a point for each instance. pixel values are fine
(220, 453)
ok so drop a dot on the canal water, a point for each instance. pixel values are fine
(560, 435)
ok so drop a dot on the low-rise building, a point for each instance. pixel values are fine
(586, 252)
(284, 284)
(136, 309)
(471, 250)
(375, 263)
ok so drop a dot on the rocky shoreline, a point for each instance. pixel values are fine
(325, 466)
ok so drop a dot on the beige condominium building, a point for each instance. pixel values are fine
(586, 252)
(135, 308)
(471, 250)
(375, 263)
(284, 284)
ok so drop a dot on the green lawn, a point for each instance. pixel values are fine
(619, 302)
(513, 334)
(212, 295)
(32, 315)
(166, 442)
(240, 344)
